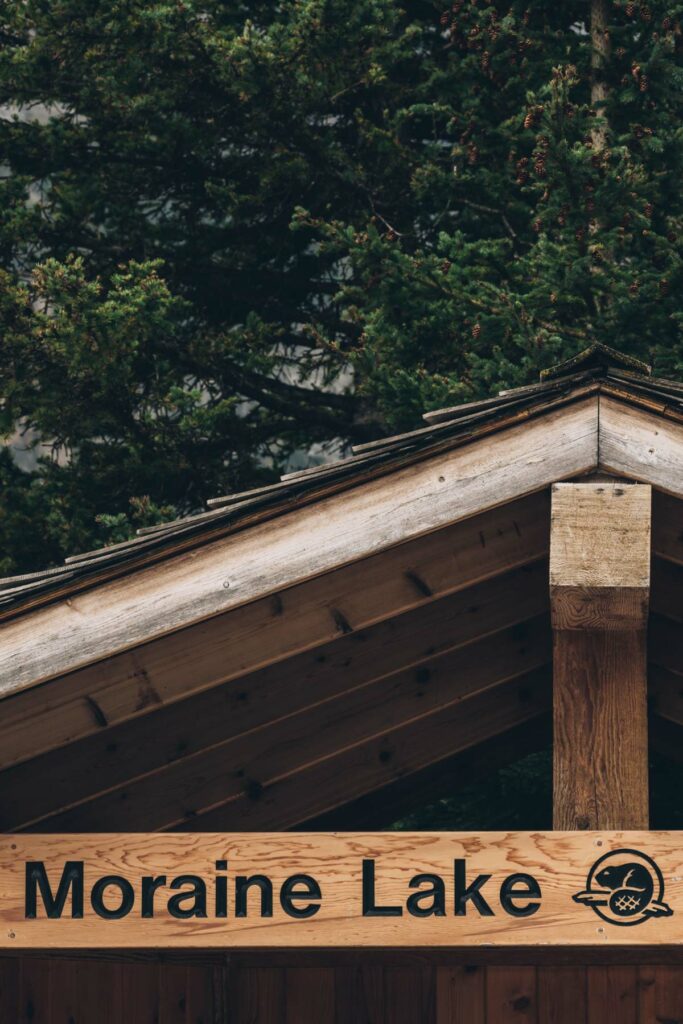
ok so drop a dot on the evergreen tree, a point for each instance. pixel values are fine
(230, 230)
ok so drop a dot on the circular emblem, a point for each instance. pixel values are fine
(625, 887)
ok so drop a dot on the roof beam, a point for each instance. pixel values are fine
(336, 608)
(243, 770)
(642, 445)
(299, 545)
(599, 588)
(114, 756)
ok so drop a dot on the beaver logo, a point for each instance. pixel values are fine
(625, 887)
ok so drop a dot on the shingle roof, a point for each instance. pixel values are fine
(596, 368)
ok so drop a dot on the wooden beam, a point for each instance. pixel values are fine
(447, 778)
(641, 445)
(599, 584)
(396, 753)
(343, 604)
(667, 531)
(300, 545)
(115, 756)
(242, 768)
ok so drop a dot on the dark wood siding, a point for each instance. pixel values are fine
(42, 991)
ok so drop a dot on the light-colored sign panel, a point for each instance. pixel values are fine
(299, 890)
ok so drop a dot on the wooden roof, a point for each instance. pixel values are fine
(335, 640)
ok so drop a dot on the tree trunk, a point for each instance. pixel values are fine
(600, 43)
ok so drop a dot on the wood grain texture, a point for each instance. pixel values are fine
(559, 861)
(600, 555)
(256, 995)
(599, 597)
(309, 995)
(306, 543)
(250, 763)
(562, 997)
(339, 605)
(410, 995)
(461, 995)
(641, 445)
(667, 527)
(182, 730)
(600, 730)
(612, 995)
(511, 996)
(360, 994)
(371, 764)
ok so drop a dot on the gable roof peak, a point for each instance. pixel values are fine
(596, 356)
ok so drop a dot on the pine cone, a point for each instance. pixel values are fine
(649, 209)
(630, 9)
(476, 331)
(633, 287)
(667, 24)
(536, 226)
(643, 84)
(529, 120)
(445, 18)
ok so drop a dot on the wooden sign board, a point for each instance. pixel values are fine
(298, 890)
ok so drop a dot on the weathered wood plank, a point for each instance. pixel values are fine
(666, 593)
(173, 994)
(641, 445)
(10, 968)
(662, 996)
(359, 994)
(140, 992)
(667, 527)
(612, 995)
(248, 764)
(35, 993)
(309, 995)
(369, 765)
(175, 733)
(665, 643)
(410, 995)
(600, 556)
(599, 573)
(511, 995)
(257, 995)
(277, 554)
(461, 995)
(562, 995)
(388, 805)
(341, 604)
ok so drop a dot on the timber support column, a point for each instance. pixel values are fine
(599, 596)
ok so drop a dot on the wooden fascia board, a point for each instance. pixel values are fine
(643, 445)
(308, 542)
(186, 542)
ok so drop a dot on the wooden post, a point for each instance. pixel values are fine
(599, 591)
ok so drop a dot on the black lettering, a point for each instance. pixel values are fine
(127, 897)
(221, 890)
(464, 892)
(36, 878)
(370, 909)
(508, 894)
(436, 893)
(242, 887)
(149, 887)
(197, 894)
(288, 894)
